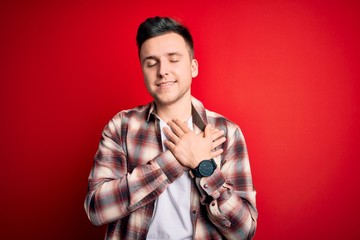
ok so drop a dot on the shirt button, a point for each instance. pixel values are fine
(205, 185)
(194, 212)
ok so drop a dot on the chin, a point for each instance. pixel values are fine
(165, 101)
(169, 99)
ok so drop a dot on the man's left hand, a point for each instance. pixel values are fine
(190, 148)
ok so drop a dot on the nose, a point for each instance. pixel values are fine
(163, 69)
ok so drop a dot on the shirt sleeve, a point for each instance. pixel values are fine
(229, 194)
(113, 191)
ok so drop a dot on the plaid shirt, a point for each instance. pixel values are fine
(131, 170)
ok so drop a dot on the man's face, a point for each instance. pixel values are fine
(168, 68)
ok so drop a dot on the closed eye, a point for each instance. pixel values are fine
(174, 60)
(174, 57)
(150, 62)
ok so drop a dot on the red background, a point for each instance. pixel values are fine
(286, 71)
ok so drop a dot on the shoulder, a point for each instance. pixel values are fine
(139, 112)
(219, 119)
(136, 112)
(136, 115)
(223, 123)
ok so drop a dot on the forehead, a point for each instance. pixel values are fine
(163, 45)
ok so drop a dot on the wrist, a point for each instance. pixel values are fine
(205, 168)
(198, 160)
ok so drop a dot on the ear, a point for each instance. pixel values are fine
(194, 68)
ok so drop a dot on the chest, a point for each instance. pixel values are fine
(142, 141)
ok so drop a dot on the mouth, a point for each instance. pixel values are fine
(165, 84)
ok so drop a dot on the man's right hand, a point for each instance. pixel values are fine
(190, 148)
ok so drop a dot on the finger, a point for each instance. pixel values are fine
(213, 130)
(217, 134)
(170, 135)
(169, 145)
(217, 153)
(216, 131)
(176, 129)
(218, 142)
(207, 131)
(183, 126)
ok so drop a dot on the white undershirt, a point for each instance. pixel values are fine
(171, 218)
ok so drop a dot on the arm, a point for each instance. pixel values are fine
(113, 191)
(228, 193)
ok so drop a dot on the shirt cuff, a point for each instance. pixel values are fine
(169, 165)
(210, 185)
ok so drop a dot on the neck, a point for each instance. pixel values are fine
(179, 110)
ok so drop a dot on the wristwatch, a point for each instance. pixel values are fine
(205, 168)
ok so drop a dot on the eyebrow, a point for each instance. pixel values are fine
(174, 54)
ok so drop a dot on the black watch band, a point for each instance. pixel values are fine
(205, 169)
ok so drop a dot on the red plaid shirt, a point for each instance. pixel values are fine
(131, 170)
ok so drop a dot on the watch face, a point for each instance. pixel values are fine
(206, 168)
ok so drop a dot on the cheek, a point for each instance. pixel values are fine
(184, 70)
(148, 75)
(149, 80)
(146, 82)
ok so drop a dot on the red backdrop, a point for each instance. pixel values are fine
(286, 71)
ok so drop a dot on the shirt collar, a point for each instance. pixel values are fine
(198, 113)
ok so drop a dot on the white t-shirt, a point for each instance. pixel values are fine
(172, 218)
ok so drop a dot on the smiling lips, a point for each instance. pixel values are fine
(165, 84)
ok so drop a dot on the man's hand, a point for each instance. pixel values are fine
(190, 148)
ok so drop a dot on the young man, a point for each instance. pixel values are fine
(171, 169)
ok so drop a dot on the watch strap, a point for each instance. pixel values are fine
(196, 172)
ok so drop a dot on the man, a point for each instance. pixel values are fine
(171, 169)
